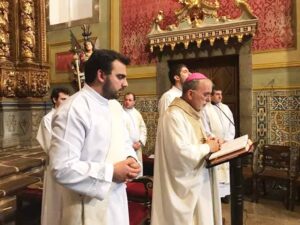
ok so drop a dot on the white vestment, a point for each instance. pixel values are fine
(167, 98)
(185, 191)
(51, 202)
(137, 130)
(220, 126)
(89, 136)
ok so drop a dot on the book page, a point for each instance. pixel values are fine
(231, 146)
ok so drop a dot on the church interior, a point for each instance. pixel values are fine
(251, 49)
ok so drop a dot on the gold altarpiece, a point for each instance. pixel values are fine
(24, 70)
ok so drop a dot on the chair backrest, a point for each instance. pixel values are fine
(276, 157)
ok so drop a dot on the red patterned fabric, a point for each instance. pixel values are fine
(275, 27)
(275, 30)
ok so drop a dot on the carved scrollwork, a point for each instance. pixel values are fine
(22, 87)
(28, 43)
(9, 89)
(39, 84)
(4, 30)
(198, 21)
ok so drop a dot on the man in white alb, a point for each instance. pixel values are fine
(91, 154)
(177, 75)
(220, 122)
(51, 202)
(185, 192)
(136, 126)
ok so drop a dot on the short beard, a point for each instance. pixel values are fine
(108, 93)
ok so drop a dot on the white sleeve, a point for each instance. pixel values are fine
(142, 129)
(69, 168)
(163, 104)
(206, 124)
(129, 151)
(183, 155)
(44, 134)
(230, 135)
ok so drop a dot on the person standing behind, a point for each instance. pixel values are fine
(51, 201)
(136, 126)
(185, 191)
(91, 154)
(221, 124)
(177, 75)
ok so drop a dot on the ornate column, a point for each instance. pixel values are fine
(4, 32)
(24, 72)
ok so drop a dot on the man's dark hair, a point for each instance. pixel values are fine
(190, 85)
(175, 70)
(102, 60)
(55, 93)
(214, 89)
(130, 93)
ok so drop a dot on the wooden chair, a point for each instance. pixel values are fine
(139, 193)
(249, 165)
(273, 165)
(294, 192)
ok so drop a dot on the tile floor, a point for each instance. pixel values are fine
(265, 212)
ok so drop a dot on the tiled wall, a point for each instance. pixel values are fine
(276, 117)
(147, 105)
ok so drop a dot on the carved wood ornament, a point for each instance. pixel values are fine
(24, 70)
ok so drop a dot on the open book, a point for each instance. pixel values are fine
(238, 147)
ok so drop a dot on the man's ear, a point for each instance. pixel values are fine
(54, 100)
(101, 76)
(189, 94)
(176, 77)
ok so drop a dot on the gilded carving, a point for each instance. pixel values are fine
(9, 85)
(204, 7)
(39, 84)
(4, 31)
(28, 43)
(22, 86)
(197, 21)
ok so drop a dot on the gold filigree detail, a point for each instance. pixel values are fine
(22, 88)
(28, 43)
(9, 84)
(4, 30)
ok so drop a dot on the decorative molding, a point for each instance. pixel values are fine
(276, 88)
(191, 28)
(140, 72)
(115, 25)
(276, 65)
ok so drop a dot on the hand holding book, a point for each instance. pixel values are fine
(230, 150)
(214, 144)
